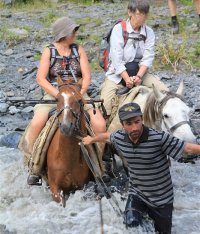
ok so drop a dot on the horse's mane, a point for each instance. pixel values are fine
(73, 86)
(152, 111)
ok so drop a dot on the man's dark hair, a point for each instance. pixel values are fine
(140, 5)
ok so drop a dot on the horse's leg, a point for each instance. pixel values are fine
(58, 195)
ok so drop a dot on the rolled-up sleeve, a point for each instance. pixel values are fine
(148, 54)
(117, 49)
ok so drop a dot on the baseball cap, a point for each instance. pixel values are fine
(129, 110)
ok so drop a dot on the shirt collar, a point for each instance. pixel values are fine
(143, 137)
(142, 29)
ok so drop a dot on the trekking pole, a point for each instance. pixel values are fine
(101, 216)
(30, 101)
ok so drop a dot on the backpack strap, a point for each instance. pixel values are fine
(53, 55)
(75, 54)
(124, 31)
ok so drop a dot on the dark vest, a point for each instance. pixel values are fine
(63, 66)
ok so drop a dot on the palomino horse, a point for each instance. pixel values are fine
(162, 110)
(67, 169)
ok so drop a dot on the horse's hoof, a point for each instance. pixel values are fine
(34, 180)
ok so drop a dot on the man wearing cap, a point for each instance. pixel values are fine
(146, 152)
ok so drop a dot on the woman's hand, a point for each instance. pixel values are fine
(136, 80)
(129, 82)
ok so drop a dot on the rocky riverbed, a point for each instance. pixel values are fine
(25, 33)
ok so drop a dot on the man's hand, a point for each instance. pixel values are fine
(87, 140)
(136, 80)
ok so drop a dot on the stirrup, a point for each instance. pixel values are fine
(34, 180)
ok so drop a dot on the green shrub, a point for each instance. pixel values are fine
(171, 54)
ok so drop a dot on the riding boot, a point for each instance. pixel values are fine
(122, 91)
(132, 216)
(34, 180)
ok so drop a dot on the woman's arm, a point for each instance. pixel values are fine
(85, 69)
(43, 72)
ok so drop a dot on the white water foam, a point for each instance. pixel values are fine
(29, 210)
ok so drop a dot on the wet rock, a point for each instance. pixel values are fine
(10, 94)
(13, 110)
(10, 140)
(2, 95)
(2, 68)
(21, 33)
(3, 107)
(33, 87)
(8, 52)
(27, 109)
(6, 14)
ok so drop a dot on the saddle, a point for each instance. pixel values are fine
(37, 161)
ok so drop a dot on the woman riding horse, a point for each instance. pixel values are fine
(68, 66)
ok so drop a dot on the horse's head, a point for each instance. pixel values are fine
(172, 114)
(69, 107)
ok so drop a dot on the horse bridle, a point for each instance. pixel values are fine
(168, 96)
(76, 115)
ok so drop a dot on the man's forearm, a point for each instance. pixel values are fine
(192, 148)
(101, 137)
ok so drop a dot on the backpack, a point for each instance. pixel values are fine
(104, 50)
(54, 55)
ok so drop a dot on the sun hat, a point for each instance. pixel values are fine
(129, 110)
(63, 27)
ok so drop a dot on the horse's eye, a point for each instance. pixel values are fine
(166, 116)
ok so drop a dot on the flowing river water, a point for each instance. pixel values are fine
(30, 210)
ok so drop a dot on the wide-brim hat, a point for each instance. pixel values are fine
(63, 27)
(129, 111)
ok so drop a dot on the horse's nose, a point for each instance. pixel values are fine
(66, 129)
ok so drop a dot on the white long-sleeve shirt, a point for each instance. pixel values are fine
(120, 54)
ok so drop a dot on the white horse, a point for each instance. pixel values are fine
(165, 111)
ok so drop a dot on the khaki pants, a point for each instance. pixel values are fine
(109, 88)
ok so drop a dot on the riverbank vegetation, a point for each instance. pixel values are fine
(172, 51)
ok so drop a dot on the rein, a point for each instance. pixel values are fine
(161, 105)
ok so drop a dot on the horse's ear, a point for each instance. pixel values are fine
(180, 89)
(59, 80)
(158, 95)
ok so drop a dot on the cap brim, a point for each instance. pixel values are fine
(130, 115)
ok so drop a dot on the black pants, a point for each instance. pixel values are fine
(136, 208)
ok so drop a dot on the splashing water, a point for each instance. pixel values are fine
(25, 209)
